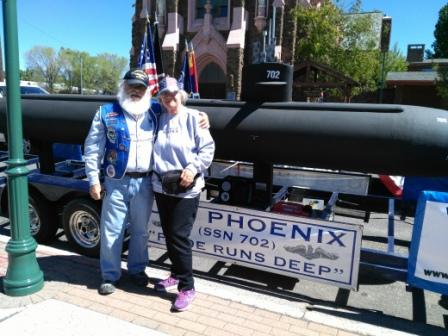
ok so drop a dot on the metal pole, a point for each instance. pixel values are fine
(383, 61)
(263, 51)
(273, 39)
(81, 76)
(23, 275)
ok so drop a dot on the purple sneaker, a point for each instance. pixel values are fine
(167, 284)
(184, 300)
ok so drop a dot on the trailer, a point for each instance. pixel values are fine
(296, 234)
(257, 219)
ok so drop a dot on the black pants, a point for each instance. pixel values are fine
(177, 216)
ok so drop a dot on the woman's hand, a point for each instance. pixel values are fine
(204, 122)
(186, 178)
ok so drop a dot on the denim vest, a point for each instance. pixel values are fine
(118, 139)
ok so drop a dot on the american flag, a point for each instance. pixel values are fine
(146, 60)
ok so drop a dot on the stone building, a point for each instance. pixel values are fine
(225, 34)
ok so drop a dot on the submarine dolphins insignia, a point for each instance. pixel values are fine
(309, 253)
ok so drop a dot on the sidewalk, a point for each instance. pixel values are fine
(70, 305)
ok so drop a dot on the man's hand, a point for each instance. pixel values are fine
(204, 122)
(95, 192)
(186, 178)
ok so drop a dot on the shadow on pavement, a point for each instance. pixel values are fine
(378, 319)
(85, 271)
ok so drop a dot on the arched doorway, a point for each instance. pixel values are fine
(212, 82)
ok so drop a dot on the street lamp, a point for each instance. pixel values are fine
(23, 275)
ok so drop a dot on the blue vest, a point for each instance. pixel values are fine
(118, 140)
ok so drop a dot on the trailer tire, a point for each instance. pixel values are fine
(43, 223)
(81, 222)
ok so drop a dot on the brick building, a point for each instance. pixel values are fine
(226, 34)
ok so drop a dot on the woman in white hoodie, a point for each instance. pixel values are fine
(182, 153)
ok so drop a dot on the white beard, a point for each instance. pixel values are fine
(134, 107)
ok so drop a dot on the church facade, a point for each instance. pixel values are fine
(225, 35)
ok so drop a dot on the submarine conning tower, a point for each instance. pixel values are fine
(263, 82)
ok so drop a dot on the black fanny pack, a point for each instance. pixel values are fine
(170, 182)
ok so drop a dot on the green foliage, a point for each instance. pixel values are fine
(347, 43)
(45, 63)
(318, 32)
(74, 69)
(440, 45)
(395, 60)
(109, 69)
(442, 84)
(72, 64)
(30, 75)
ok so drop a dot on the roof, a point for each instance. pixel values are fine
(412, 77)
(431, 61)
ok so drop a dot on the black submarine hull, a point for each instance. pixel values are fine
(383, 139)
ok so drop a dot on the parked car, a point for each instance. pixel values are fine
(25, 88)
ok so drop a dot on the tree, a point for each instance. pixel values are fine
(344, 42)
(30, 75)
(440, 44)
(440, 47)
(70, 70)
(46, 63)
(348, 42)
(74, 69)
(395, 61)
(109, 69)
(442, 85)
(318, 32)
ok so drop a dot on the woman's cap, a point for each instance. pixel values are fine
(169, 84)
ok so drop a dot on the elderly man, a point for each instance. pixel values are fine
(120, 141)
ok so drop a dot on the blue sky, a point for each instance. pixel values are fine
(94, 26)
(413, 21)
(98, 26)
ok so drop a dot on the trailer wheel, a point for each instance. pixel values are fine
(43, 223)
(81, 222)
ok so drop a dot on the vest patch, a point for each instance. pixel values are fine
(111, 134)
(110, 171)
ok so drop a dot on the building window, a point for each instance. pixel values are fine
(161, 11)
(261, 8)
(219, 8)
(220, 12)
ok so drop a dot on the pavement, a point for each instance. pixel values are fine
(70, 305)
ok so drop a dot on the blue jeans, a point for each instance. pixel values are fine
(128, 200)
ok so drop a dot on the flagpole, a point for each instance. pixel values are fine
(158, 51)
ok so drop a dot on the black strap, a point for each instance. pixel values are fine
(138, 174)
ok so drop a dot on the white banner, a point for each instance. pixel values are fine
(432, 261)
(428, 262)
(299, 247)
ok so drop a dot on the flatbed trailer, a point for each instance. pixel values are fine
(279, 238)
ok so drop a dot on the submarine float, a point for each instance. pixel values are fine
(383, 139)
(267, 128)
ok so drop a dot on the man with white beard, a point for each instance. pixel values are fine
(120, 142)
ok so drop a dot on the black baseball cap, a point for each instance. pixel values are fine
(136, 77)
